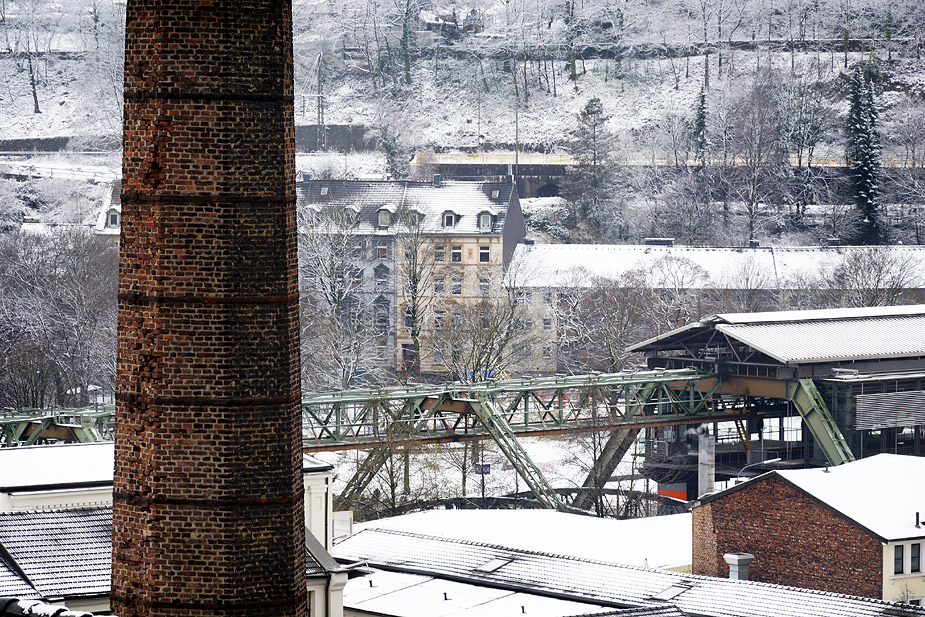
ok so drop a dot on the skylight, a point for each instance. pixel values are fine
(673, 591)
(493, 566)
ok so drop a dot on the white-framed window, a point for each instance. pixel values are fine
(456, 254)
(439, 253)
(449, 219)
(439, 319)
(439, 284)
(915, 557)
(113, 218)
(484, 254)
(385, 218)
(484, 285)
(547, 323)
(456, 285)
(485, 220)
(324, 190)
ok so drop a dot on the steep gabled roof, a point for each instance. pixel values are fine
(878, 493)
(61, 552)
(466, 199)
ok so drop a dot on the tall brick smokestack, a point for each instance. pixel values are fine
(208, 496)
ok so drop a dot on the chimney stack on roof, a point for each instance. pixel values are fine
(738, 565)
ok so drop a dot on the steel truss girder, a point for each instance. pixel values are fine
(809, 402)
(349, 419)
(26, 428)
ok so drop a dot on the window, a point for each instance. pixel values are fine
(449, 219)
(382, 318)
(385, 218)
(547, 323)
(439, 284)
(547, 350)
(915, 558)
(484, 321)
(324, 190)
(439, 254)
(484, 254)
(484, 285)
(898, 559)
(522, 297)
(382, 250)
(382, 279)
(457, 286)
(485, 220)
(547, 298)
(409, 319)
(456, 254)
(439, 319)
(495, 193)
(414, 218)
(113, 218)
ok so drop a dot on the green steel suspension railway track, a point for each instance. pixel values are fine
(379, 420)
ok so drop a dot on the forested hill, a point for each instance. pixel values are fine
(681, 84)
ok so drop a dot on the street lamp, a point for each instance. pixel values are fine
(767, 462)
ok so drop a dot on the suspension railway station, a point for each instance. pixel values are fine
(799, 388)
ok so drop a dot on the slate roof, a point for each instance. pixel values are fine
(599, 582)
(817, 336)
(466, 199)
(563, 265)
(62, 552)
(872, 492)
(69, 553)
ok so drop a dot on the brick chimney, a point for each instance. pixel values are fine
(207, 512)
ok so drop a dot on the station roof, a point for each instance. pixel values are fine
(595, 582)
(873, 492)
(814, 336)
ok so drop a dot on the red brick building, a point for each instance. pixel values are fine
(849, 529)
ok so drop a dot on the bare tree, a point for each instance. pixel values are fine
(676, 283)
(339, 333)
(416, 277)
(873, 277)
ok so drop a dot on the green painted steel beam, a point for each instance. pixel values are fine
(809, 402)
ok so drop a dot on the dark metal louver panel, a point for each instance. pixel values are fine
(890, 410)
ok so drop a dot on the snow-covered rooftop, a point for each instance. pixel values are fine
(829, 335)
(657, 542)
(880, 492)
(420, 595)
(56, 465)
(592, 581)
(466, 199)
(568, 265)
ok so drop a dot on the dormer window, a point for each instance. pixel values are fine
(484, 220)
(112, 218)
(385, 218)
(449, 219)
(414, 218)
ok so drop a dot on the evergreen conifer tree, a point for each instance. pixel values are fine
(862, 153)
(699, 128)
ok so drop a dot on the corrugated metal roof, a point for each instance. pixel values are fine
(596, 581)
(564, 265)
(466, 199)
(63, 552)
(835, 340)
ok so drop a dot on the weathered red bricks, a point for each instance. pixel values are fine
(208, 496)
